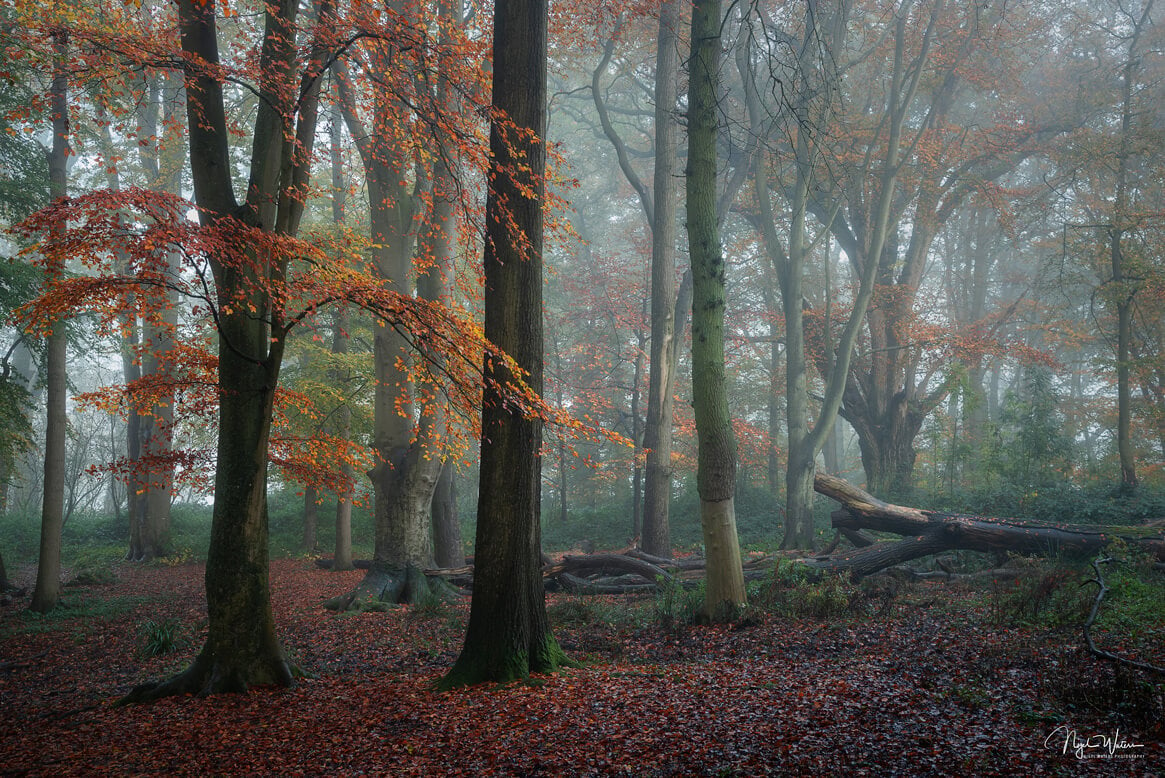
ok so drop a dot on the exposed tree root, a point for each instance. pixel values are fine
(385, 586)
(205, 677)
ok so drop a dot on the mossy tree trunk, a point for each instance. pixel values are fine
(241, 647)
(509, 634)
(716, 466)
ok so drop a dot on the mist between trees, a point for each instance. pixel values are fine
(410, 284)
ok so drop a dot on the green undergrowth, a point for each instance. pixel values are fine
(78, 613)
(157, 637)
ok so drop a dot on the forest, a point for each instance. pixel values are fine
(450, 387)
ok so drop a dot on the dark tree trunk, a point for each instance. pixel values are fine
(241, 647)
(509, 634)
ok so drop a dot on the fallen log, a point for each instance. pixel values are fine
(930, 532)
(602, 564)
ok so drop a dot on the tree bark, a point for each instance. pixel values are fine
(447, 546)
(342, 555)
(1124, 289)
(655, 532)
(241, 647)
(509, 634)
(716, 467)
(47, 593)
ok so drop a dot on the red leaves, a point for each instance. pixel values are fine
(916, 693)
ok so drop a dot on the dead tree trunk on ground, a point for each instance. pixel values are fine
(929, 532)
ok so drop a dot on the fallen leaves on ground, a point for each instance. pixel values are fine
(916, 691)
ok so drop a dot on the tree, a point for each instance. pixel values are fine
(804, 120)
(18, 285)
(242, 648)
(937, 138)
(659, 204)
(509, 635)
(716, 466)
(413, 128)
(47, 593)
(1125, 288)
(657, 430)
(147, 346)
(930, 532)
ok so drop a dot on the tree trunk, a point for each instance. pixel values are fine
(393, 213)
(927, 532)
(241, 647)
(509, 634)
(888, 453)
(162, 161)
(311, 518)
(47, 593)
(158, 436)
(1124, 289)
(447, 546)
(716, 468)
(804, 118)
(342, 556)
(655, 531)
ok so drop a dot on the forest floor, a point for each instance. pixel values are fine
(920, 681)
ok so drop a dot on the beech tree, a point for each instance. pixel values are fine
(800, 123)
(47, 593)
(935, 156)
(716, 466)
(410, 139)
(509, 635)
(659, 203)
(147, 345)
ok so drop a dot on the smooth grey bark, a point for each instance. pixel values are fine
(342, 553)
(447, 546)
(657, 431)
(660, 205)
(409, 460)
(803, 119)
(395, 210)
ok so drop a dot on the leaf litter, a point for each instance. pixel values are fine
(915, 691)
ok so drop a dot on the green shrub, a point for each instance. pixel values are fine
(792, 591)
(94, 566)
(161, 637)
(677, 605)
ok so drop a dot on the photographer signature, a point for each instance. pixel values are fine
(1091, 746)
